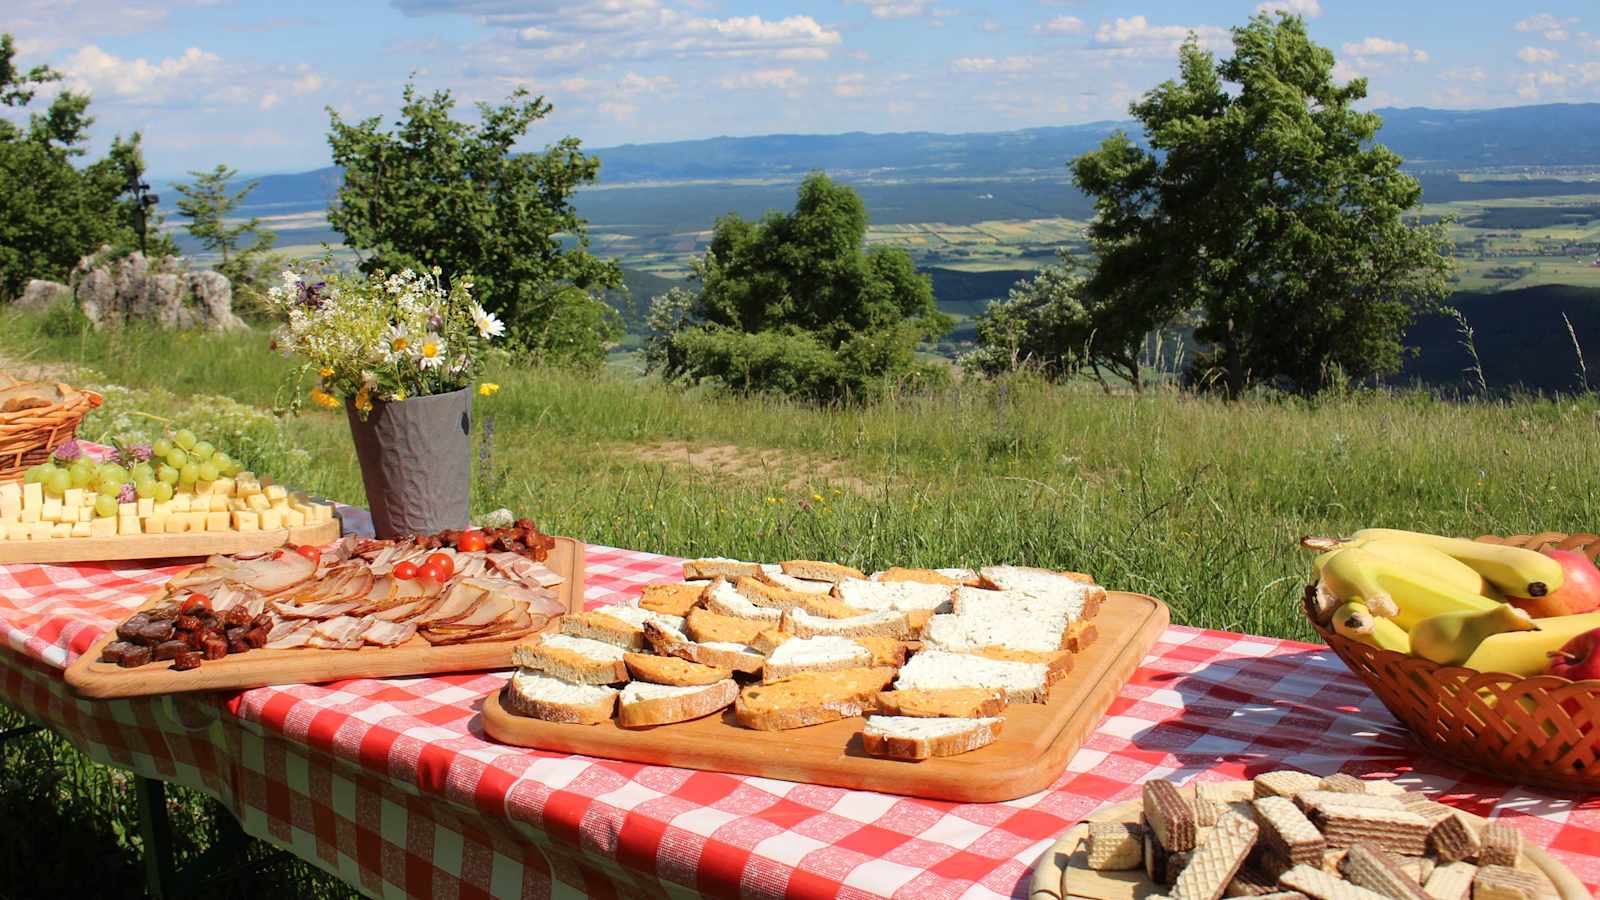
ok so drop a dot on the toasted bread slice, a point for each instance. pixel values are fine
(948, 702)
(885, 651)
(884, 623)
(671, 599)
(539, 696)
(672, 670)
(1022, 682)
(615, 624)
(909, 737)
(643, 703)
(705, 625)
(950, 577)
(668, 641)
(575, 659)
(760, 593)
(723, 599)
(767, 641)
(817, 654)
(809, 698)
(718, 567)
(1079, 602)
(813, 570)
(907, 596)
(1058, 661)
(972, 631)
(1080, 635)
(1028, 578)
(774, 576)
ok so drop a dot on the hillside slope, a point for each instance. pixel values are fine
(1522, 340)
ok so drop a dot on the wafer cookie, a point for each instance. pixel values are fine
(1250, 881)
(1216, 860)
(1419, 867)
(1502, 844)
(1453, 839)
(1224, 792)
(1385, 787)
(1311, 800)
(1273, 864)
(1157, 861)
(1283, 895)
(1343, 784)
(1206, 812)
(1284, 783)
(1114, 846)
(1287, 831)
(1505, 883)
(1433, 811)
(1323, 886)
(1373, 869)
(1399, 830)
(1333, 859)
(1170, 816)
(1450, 881)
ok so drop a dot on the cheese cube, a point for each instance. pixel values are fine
(60, 530)
(259, 502)
(30, 514)
(217, 521)
(32, 495)
(280, 504)
(246, 487)
(197, 520)
(293, 518)
(11, 507)
(73, 498)
(271, 519)
(86, 514)
(51, 511)
(39, 531)
(154, 524)
(127, 509)
(203, 488)
(180, 502)
(220, 503)
(244, 520)
(147, 506)
(161, 508)
(223, 486)
(18, 532)
(324, 512)
(276, 492)
(11, 490)
(103, 527)
(177, 523)
(80, 529)
(128, 525)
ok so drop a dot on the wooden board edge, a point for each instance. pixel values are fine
(162, 546)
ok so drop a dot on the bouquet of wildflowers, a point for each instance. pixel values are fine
(382, 337)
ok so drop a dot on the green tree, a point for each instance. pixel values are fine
(794, 304)
(52, 212)
(438, 192)
(207, 203)
(1268, 209)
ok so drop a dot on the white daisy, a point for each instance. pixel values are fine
(396, 342)
(430, 352)
(489, 325)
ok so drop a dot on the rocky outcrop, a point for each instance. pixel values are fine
(41, 294)
(112, 290)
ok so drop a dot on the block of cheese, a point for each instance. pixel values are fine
(30, 514)
(104, 526)
(276, 492)
(293, 518)
(271, 519)
(220, 502)
(177, 523)
(147, 506)
(39, 531)
(60, 530)
(11, 507)
(51, 511)
(222, 487)
(73, 497)
(155, 524)
(197, 519)
(80, 529)
(204, 488)
(32, 495)
(245, 520)
(217, 521)
(86, 514)
(128, 525)
(180, 503)
(127, 509)
(259, 502)
(162, 508)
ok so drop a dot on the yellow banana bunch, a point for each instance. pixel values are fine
(1528, 652)
(1449, 639)
(1515, 571)
(1356, 622)
(1393, 590)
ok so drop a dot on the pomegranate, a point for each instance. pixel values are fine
(1579, 593)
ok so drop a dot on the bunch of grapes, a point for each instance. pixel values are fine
(172, 464)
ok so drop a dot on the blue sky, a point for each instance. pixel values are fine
(211, 81)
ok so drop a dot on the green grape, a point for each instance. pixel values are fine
(82, 474)
(145, 487)
(177, 458)
(222, 460)
(184, 438)
(57, 482)
(231, 468)
(163, 492)
(113, 472)
(33, 475)
(203, 450)
(142, 470)
(167, 474)
(161, 447)
(109, 489)
(209, 471)
(104, 506)
(188, 474)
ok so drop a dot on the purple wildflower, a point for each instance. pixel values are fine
(127, 494)
(435, 322)
(69, 451)
(134, 453)
(311, 294)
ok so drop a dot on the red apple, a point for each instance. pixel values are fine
(1579, 659)
(1579, 593)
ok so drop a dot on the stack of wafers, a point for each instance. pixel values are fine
(1290, 835)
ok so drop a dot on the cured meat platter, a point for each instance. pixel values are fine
(353, 611)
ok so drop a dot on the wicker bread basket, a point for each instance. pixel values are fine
(1543, 730)
(28, 436)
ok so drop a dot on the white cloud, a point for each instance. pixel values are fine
(268, 101)
(634, 83)
(1062, 25)
(621, 110)
(99, 72)
(1305, 9)
(1474, 74)
(307, 83)
(1377, 46)
(851, 84)
(1136, 37)
(893, 9)
(765, 79)
(807, 54)
(1536, 55)
(1008, 64)
(991, 26)
(1553, 28)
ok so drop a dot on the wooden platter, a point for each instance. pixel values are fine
(162, 546)
(97, 680)
(1062, 871)
(1031, 753)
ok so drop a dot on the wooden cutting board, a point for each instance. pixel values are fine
(163, 546)
(97, 680)
(1031, 752)
(1062, 871)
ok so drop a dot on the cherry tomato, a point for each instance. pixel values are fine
(443, 563)
(309, 552)
(196, 601)
(434, 572)
(471, 541)
(405, 571)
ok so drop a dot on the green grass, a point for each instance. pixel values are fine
(1193, 500)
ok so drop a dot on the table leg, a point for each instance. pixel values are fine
(156, 833)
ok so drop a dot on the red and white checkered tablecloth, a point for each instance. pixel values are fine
(391, 785)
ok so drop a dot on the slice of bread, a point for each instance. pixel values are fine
(907, 596)
(1022, 682)
(668, 641)
(671, 599)
(768, 640)
(760, 593)
(813, 570)
(884, 623)
(817, 654)
(1059, 661)
(1028, 578)
(774, 576)
(968, 632)
(885, 651)
(539, 696)
(575, 659)
(644, 704)
(705, 625)
(908, 737)
(948, 702)
(672, 670)
(724, 600)
(1070, 605)
(616, 624)
(809, 698)
(898, 575)
(718, 567)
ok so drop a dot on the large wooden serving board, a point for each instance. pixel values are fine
(1062, 871)
(97, 680)
(163, 546)
(1033, 748)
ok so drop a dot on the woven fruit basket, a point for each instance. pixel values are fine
(1543, 730)
(35, 418)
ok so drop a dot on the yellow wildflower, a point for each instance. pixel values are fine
(326, 371)
(488, 389)
(322, 398)
(364, 400)
(816, 498)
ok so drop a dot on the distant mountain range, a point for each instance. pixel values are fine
(1436, 140)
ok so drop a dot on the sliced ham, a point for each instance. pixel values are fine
(524, 570)
(292, 633)
(458, 602)
(404, 612)
(469, 565)
(275, 574)
(487, 611)
(389, 634)
(315, 610)
(340, 633)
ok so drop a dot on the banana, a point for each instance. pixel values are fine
(1449, 639)
(1393, 591)
(1423, 559)
(1515, 571)
(1356, 622)
(1350, 573)
(1526, 653)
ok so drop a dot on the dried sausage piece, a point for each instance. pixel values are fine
(263, 621)
(155, 632)
(214, 646)
(238, 614)
(187, 623)
(134, 656)
(129, 630)
(112, 652)
(170, 650)
(188, 659)
(195, 639)
(257, 637)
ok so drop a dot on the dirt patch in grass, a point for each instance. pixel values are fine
(797, 470)
(36, 370)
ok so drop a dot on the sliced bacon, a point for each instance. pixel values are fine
(314, 610)
(404, 612)
(291, 633)
(340, 633)
(458, 603)
(275, 574)
(485, 612)
(389, 634)
(524, 570)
